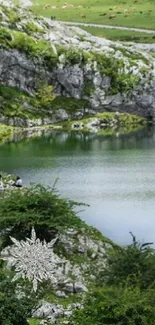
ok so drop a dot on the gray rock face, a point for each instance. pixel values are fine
(78, 79)
(18, 71)
(72, 80)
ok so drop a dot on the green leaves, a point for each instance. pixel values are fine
(14, 311)
(117, 305)
(45, 96)
(39, 207)
(134, 263)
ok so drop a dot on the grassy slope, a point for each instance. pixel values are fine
(133, 13)
(121, 35)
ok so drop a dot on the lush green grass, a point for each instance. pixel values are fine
(121, 35)
(133, 13)
(34, 321)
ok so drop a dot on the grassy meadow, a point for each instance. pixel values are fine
(132, 13)
(121, 35)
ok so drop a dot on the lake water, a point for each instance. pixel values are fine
(114, 175)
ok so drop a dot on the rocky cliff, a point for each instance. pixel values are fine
(89, 74)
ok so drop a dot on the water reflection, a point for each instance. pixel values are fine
(114, 174)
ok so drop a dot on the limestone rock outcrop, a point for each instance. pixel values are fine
(108, 76)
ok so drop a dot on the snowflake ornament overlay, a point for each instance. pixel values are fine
(34, 260)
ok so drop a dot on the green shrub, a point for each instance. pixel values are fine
(88, 88)
(5, 36)
(11, 311)
(14, 311)
(135, 262)
(32, 28)
(38, 207)
(44, 96)
(12, 14)
(70, 104)
(72, 55)
(117, 306)
(40, 49)
(109, 66)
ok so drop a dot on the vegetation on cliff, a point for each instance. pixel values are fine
(125, 291)
(47, 49)
(38, 207)
(120, 282)
(52, 217)
(49, 56)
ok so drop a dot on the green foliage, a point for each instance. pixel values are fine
(71, 105)
(34, 48)
(32, 28)
(72, 55)
(121, 120)
(123, 83)
(120, 81)
(44, 96)
(119, 306)
(12, 14)
(12, 102)
(13, 311)
(19, 104)
(34, 321)
(5, 37)
(5, 132)
(135, 262)
(38, 207)
(88, 89)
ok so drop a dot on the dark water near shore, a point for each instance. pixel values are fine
(115, 175)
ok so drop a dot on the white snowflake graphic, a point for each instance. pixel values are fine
(35, 260)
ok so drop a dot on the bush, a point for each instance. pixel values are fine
(40, 49)
(38, 207)
(32, 28)
(135, 262)
(13, 311)
(72, 55)
(5, 36)
(119, 306)
(44, 96)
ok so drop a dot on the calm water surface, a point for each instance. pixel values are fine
(115, 175)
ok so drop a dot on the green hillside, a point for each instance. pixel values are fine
(133, 13)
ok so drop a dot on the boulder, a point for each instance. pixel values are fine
(60, 294)
(46, 310)
(80, 287)
(69, 287)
